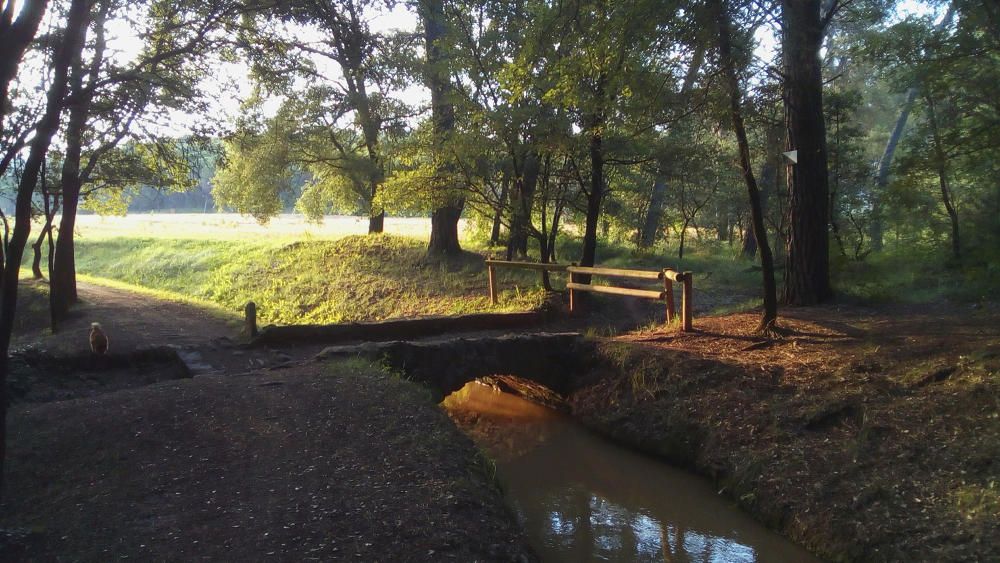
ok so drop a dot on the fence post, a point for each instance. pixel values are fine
(492, 274)
(572, 296)
(687, 303)
(250, 311)
(668, 288)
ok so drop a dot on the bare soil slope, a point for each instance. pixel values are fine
(863, 434)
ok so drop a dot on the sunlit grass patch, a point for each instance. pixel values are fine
(355, 278)
(165, 295)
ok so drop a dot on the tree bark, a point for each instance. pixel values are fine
(70, 47)
(370, 129)
(444, 230)
(756, 209)
(444, 219)
(884, 166)
(522, 202)
(498, 214)
(680, 247)
(596, 194)
(36, 262)
(807, 269)
(651, 226)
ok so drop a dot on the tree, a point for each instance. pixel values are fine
(370, 66)
(448, 205)
(885, 162)
(807, 264)
(69, 48)
(109, 102)
(728, 65)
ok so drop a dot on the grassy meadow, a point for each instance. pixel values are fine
(299, 272)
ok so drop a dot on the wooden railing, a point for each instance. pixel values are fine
(491, 272)
(667, 276)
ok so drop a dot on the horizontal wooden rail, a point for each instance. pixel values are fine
(528, 265)
(491, 271)
(616, 273)
(644, 293)
(666, 276)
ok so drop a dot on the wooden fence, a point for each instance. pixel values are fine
(667, 276)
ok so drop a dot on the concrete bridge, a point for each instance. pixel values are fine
(555, 360)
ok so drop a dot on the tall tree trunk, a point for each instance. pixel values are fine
(62, 285)
(749, 247)
(756, 209)
(36, 247)
(596, 194)
(62, 279)
(807, 269)
(651, 226)
(444, 219)
(522, 202)
(370, 129)
(15, 37)
(70, 47)
(876, 230)
(50, 206)
(444, 230)
(680, 247)
(941, 167)
(498, 213)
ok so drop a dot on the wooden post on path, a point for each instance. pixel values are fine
(687, 302)
(668, 288)
(491, 273)
(572, 295)
(250, 311)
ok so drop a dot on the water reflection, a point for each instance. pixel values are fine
(582, 498)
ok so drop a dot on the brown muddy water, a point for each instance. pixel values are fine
(582, 498)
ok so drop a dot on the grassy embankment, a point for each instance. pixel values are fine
(316, 281)
(865, 437)
(377, 277)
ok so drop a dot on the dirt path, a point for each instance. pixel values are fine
(121, 459)
(133, 320)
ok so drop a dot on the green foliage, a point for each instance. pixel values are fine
(122, 172)
(256, 174)
(917, 273)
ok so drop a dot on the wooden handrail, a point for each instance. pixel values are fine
(491, 272)
(667, 276)
(644, 293)
(616, 273)
(528, 265)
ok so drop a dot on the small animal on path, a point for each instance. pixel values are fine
(98, 340)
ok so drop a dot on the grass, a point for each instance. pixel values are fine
(338, 277)
(354, 278)
(918, 274)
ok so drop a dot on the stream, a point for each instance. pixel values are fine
(582, 498)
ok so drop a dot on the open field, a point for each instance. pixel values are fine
(233, 226)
